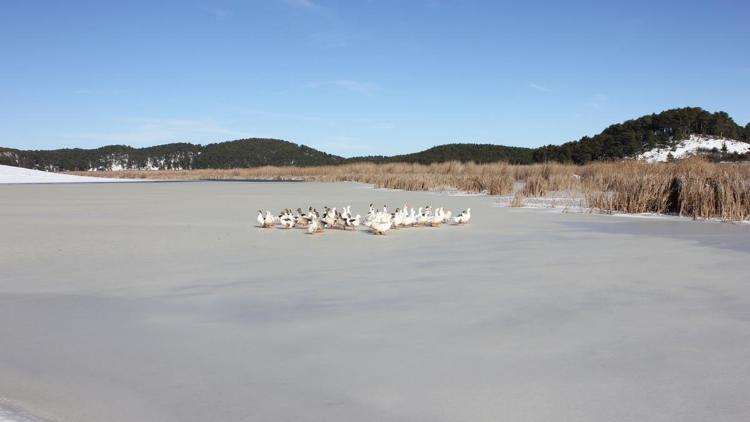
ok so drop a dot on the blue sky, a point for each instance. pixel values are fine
(360, 77)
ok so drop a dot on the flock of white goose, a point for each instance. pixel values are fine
(377, 221)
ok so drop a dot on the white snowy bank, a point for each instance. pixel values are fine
(692, 146)
(10, 174)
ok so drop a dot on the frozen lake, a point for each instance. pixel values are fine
(163, 302)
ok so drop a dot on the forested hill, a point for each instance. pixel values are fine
(479, 153)
(622, 140)
(232, 154)
(633, 137)
(238, 154)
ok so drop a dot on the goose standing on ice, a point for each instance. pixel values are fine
(343, 214)
(329, 217)
(352, 223)
(447, 216)
(306, 218)
(261, 219)
(369, 216)
(314, 226)
(300, 218)
(463, 217)
(397, 218)
(381, 225)
(437, 219)
(423, 217)
(266, 221)
(409, 219)
(287, 219)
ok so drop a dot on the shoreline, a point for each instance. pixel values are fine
(691, 187)
(571, 202)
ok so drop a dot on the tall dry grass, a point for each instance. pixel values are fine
(692, 187)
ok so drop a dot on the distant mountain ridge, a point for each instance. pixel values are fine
(478, 153)
(251, 152)
(662, 131)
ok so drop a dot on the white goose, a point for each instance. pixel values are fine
(329, 217)
(286, 219)
(301, 219)
(422, 217)
(410, 219)
(397, 218)
(447, 216)
(369, 216)
(343, 214)
(261, 219)
(306, 218)
(352, 223)
(382, 224)
(268, 220)
(314, 226)
(437, 218)
(463, 217)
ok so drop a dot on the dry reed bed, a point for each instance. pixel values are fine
(693, 187)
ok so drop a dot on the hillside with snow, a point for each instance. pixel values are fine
(10, 174)
(694, 145)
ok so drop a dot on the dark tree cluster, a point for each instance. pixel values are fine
(633, 137)
(169, 156)
(478, 153)
(261, 152)
(232, 154)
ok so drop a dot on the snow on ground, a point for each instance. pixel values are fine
(692, 145)
(11, 413)
(10, 174)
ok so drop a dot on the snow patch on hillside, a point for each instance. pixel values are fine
(694, 145)
(10, 174)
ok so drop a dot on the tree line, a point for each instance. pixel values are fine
(177, 156)
(618, 141)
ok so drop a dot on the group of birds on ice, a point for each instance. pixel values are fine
(377, 221)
